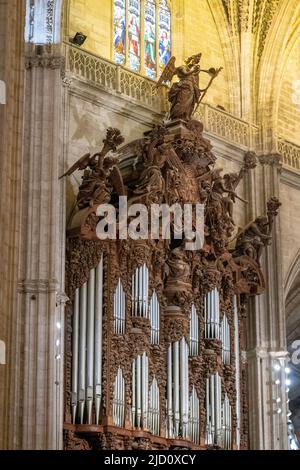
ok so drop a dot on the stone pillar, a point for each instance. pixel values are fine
(41, 279)
(266, 326)
(12, 13)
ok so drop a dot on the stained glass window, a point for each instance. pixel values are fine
(164, 34)
(142, 35)
(150, 39)
(120, 31)
(134, 34)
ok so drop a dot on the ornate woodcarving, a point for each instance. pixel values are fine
(173, 163)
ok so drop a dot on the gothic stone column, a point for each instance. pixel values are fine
(266, 325)
(40, 299)
(12, 14)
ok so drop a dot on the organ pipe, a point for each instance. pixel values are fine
(154, 319)
(82, 350)
(98, 338)
(75, 344)
(154, 408)
(119, 309)
(119, 400)
(194, 332)
(90, 345)
(87, 348)
(237, 372)
(212, 315)
(177, 390)
(225, 338)
(194, 417)
(184, 387)
(133, 406)
(226, 423)
(140, 392)
(176, 399)
(170, 425)
(140, 286)
(213, 409)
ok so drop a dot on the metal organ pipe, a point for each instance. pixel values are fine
(212, 315)
(82, 350)
(119, 309)
(218, 405)
(217, 314)
(194, 417)
(226, 423)
(154, 408)
(140, 285)
(87, 348)
(140, 392)
(209, 437)
(194, 332)
(145, 391)
(184, 387)
(176, 399)
(213, 409)
(133, 406)
(98, 338)
(119, 400)
(237, 372)
(154, 319)
(170, 425)
(225, 338)
(75, 340)
(90, 345)
(178, 390)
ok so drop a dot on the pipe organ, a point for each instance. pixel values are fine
(194, 332)
(119, 400)
(225, 338)
(154, 318)
(119, 309)
(213, 409)
(212, 314)
(154, 408)
(140, 283)
(178, 390)
(226, 424)
(194, 417)
(237, 371)
(155, 329)
(87, 348)
(140, 392)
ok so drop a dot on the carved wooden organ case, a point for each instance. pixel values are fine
(155, 333)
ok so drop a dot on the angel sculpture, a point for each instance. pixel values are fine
(251, 239)
(101, 175)
(185, 95)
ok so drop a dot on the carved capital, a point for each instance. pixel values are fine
(273, 159)
(38, 286)
(47, 62)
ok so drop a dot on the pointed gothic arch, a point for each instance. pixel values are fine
(273, 63)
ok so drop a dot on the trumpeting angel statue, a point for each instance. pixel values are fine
(185, 95)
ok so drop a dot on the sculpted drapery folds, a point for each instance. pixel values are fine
(173, 163)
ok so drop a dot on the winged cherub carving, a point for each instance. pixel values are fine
(185, 95)
(101, 174)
